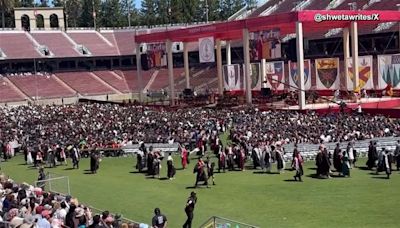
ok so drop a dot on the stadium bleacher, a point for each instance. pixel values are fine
(122, 39)
(161, 81)
(117, 76)
(40, 86)
(94, 41)
(17, 45)
(85, 83)
(114, 80)
(57, 42)
(7, 92)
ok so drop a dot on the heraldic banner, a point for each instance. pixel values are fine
(389, 71)
(231, 77)
(206, 50)
(364, 73)
(265, 44)
(327, 71)
(255, 75)
(275, 75)
(294, 76)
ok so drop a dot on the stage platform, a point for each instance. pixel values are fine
(377, 103)
(387, 106)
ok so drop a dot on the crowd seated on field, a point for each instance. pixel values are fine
(26, 206)
(112, 126)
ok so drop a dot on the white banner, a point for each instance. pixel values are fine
(232, 77)
(389, 71)
(364, 73)
(206, 50)
(275, 75)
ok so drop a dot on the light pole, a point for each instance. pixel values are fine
(94, 15)
(128, 2)
(206, 6)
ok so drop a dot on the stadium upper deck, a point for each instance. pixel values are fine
(90, 43)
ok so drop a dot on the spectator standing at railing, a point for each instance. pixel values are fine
(189, 209)
(159, 220)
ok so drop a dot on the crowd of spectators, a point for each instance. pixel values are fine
(26, 206)
(112, 126)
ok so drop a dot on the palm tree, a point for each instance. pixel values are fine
(5, 6)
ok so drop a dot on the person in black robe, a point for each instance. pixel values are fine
(371, 155)
(150, 167)
(337, 159)
(139, 160)
(93, 161)
(397, 155)
(323, 163)
(170, 167)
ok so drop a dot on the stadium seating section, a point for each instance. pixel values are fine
(110, 43)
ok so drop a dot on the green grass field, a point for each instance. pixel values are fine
(266, 200)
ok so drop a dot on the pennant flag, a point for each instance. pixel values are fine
(275, 75)
(206, 50)
(231, 77)
(364, 72)
(327, 73)
(389, 71)
(294, 77)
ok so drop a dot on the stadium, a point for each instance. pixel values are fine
(277, 113)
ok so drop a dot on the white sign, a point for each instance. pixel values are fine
(206, 50)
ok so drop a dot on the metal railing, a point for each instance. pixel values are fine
(309, 151)
(220, 222)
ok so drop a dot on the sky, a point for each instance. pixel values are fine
(137, 3)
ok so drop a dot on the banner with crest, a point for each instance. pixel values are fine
(389, 71)
(327, 73)
(255, 75)
(275, 74)
(232, 77)
(206, 50)
(294, 76)
(364, 73)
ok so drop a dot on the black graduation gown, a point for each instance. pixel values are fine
(337, 163)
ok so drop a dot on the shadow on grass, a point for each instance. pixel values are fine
(261, 172)
(88, 173)
(291, 180)
(198, 187)
(135, 172)
(363, 168)
(380, 177)
(337, 176)
(315, 176)
(19, 164)
(69, 168)
(312, 168)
